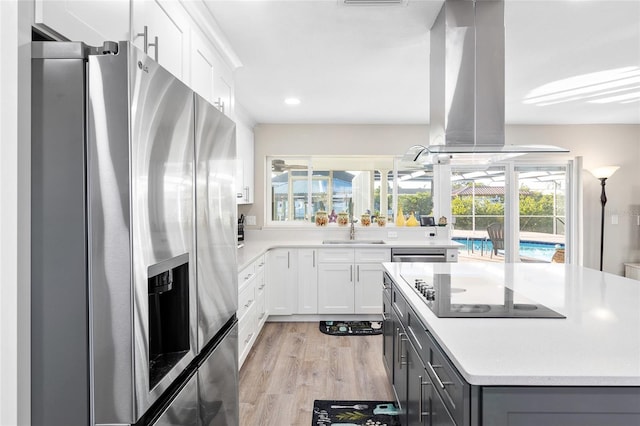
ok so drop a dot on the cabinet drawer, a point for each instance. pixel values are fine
(446, 381)
(377, 255)
(245, 300)
(261, 310)
(417, 333)
(259, 264)
(399, 304)
(246, 274)
(335, 255)
(246, 330)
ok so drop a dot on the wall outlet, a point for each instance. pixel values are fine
(614, 219)
(250, 220)
(392, 234)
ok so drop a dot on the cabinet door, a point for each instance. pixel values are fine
(388, 333)
(281, 275)
(335, 288)
(368, 288)
(307, 282)
(244, 163)
(169, 22)
(203, 64)
(418, 407)
(400, 342)
(92, 22)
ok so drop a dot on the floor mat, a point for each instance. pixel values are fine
(351, 328)
(355, 413)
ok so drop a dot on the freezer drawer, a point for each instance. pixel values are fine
(183, 410)
(218, 383)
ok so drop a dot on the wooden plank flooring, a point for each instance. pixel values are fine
(292, 364)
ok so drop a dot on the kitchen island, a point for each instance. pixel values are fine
(583, 369)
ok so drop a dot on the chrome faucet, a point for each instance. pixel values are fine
(352, 231)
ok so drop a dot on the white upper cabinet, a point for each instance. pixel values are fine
(244, 163)
(211, 77)
(92, 22)
(162, 29)
(181, 35)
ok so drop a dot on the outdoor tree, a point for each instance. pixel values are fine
(420, 203)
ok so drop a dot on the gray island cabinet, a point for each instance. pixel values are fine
(473, 371)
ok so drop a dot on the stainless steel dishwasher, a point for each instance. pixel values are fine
(423, 254)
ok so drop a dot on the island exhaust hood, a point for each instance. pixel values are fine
(467, 90)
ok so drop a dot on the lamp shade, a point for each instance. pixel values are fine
(604, 172)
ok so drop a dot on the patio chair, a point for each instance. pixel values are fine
(496, 235)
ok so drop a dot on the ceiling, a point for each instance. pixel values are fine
(567, 61)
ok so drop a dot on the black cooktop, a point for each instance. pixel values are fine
(475, 299)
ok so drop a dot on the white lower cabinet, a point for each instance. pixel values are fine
(251, 306)
(281, 281)
(349, 280)
(307, 282)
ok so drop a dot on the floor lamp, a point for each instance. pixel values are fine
(603, 173)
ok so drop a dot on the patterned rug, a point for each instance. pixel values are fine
(355, 413)
(351, 328)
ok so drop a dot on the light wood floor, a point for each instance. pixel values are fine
(292, 364)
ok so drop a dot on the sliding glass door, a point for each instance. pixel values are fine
(542, 212)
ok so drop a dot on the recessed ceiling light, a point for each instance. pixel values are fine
(292, 101)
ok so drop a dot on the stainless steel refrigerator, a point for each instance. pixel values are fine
(132, 297)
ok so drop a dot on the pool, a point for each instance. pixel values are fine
(531, 249)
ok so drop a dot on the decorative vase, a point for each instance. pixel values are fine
(321, 218)
(400, 218)
(382, 220)
(343, 219)
(365, 220)
(412, 221)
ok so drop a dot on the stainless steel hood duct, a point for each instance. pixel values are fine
(467, 89)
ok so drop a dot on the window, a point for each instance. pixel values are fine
(300, 187)
(533, 223)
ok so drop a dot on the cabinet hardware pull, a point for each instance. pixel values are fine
(314, 258)
(351, 273)
(145, 38)
(433, 371)
(358, 273)
(156, 46)
(402, 356)
(288, 256)
(420, 399)
(220, 105)
(239, 195)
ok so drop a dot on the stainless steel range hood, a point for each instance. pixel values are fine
(467, 90)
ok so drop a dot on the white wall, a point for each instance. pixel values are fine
(15, 83)
(597, 144)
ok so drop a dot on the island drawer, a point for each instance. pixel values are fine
(399, 304)
(417, 333)
(446, 380)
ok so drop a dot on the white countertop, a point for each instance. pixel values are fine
(597, 344)
(253, 249)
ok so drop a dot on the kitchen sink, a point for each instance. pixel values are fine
(353, 242)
